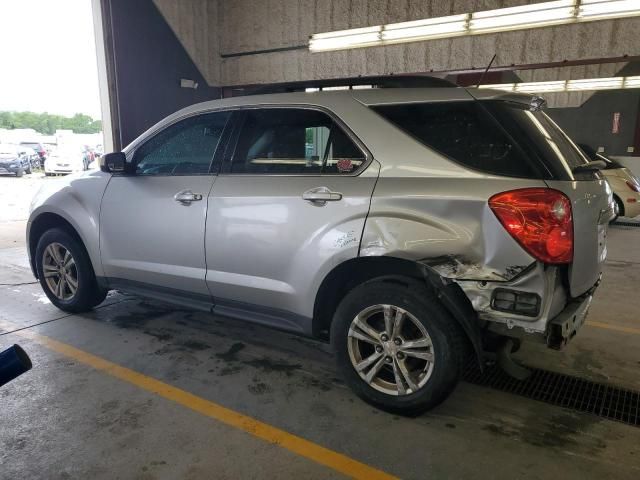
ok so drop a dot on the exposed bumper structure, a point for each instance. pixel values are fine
(559, 317)
(565, 326)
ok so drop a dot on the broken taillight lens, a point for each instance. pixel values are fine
(540, 220)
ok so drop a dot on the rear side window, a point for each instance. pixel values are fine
(536, 132)
(293, 141)
(463, 131)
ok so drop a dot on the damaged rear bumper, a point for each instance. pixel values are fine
(559, 317)
(565, 326)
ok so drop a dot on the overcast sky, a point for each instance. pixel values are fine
(47, 57)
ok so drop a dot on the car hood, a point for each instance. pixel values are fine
(623, 173)
(8, 157)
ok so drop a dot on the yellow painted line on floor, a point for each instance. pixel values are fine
(334, 460)
(617, 328)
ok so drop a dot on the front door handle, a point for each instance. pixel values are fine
(321, 195)
(185, 197)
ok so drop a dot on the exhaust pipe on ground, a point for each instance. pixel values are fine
(14, 361)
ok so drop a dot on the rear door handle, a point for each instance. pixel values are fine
(321, 195)
(185, 197)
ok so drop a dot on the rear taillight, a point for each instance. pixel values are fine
(540, 220)
(633, 186)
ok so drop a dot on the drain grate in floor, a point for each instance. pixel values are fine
(566, 391)
(626, 224)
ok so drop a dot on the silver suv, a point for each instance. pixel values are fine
(410, 227)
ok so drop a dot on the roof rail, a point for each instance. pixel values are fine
(383, 81)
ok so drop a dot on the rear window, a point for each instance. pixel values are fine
(465, 132)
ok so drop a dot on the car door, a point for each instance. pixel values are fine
(289, 205)
(152, 221)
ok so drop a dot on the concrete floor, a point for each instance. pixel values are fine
(64, 419)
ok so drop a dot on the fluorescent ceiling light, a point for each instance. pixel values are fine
(510, 87)
(589, 84)
(557, 12)
(342, 33)
(339, 40)
(631, 82)
(525, 16)
(602, 9)
(595, 84)
(425, 29)
(535, 87)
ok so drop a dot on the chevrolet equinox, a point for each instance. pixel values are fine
(413, 228)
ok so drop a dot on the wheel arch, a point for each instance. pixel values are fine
(40, 224)
(344, 277)
(617, 198)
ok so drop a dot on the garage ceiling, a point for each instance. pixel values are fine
(211, 28)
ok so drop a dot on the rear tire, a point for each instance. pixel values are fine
(60, 255)
(406, 382)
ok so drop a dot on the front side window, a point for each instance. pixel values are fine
(184, 148)
(293, 141)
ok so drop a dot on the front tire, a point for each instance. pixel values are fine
(19, 173)
(65, 272)
(396, 346)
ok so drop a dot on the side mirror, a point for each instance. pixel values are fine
(113, 162)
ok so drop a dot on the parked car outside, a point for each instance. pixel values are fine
(65, 160)
(40, 150)
(407, 226)
(624, 184)
(89, 155)
(31, 156)
(12, 161)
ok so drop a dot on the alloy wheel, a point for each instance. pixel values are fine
(60, 271)
(390, 350)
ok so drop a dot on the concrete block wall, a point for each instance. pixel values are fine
(249, 25)
(195, 23)
(209, 28)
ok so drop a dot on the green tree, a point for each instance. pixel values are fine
(47, 124)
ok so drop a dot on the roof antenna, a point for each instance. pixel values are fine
(486, 70)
